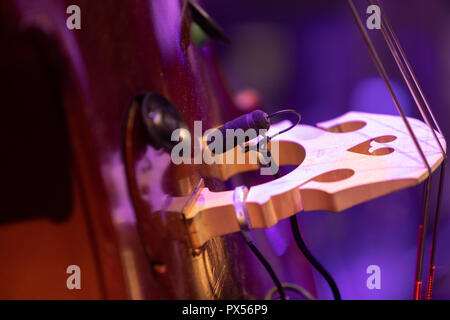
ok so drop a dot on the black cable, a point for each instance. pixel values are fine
(265, 263)
(316, 264)
(245, 235)
(295, 230)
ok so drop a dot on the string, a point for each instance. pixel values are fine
(382, 71)
(431, 267)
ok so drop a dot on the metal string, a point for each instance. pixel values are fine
(410, 70)
(383, 74)
(396, 55)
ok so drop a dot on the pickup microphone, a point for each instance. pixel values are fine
(257, 120)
